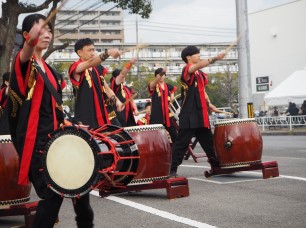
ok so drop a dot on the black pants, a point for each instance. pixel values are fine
(48, 209)
(173, 133)
(172, 130)
(204, 137)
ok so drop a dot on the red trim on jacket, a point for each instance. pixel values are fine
(33, 122)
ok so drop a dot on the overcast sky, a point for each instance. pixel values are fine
(184, 21)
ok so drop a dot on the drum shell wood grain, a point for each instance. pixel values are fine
(246, 143)
(10, 191)
(155, 153)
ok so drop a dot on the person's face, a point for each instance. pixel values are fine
(45, 36)
(87, 52)
(148, 110)
(6, 83)
(195, 58)
(162, 79)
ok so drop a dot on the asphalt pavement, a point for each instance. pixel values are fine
(242, 199)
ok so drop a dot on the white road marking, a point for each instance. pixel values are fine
(154, 211)
(285, 157)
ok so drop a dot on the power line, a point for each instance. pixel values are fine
(200, 34)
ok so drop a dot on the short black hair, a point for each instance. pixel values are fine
(81, 43)
(158, 71)
(148, 104)
(5, 77)
(116, 72)
(30, 20)
(189, 51)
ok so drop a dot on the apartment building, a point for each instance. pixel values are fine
(100, 25)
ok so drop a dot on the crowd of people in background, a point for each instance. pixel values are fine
(292, 110)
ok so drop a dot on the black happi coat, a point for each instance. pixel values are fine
(90, 107)
(123, 93)
(160, 113)
(194, 112)
(33, 114)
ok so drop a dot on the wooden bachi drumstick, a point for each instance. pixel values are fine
(166, 57)
(53, 13)
(137, 47)
(232, 44)
(129, 100)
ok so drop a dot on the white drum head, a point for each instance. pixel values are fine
(70, 162)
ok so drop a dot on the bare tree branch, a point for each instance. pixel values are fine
(52, 49)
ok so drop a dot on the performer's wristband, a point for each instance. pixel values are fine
(128, 66)
(113, 99)
(103, 56)
(33, 43)
(212, 60)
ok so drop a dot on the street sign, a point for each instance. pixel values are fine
(261, 88)
(262, 80)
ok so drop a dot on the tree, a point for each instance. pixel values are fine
(222, 88)
(11, 9)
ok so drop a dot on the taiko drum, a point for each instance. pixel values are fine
(10, 192)
(238, 143)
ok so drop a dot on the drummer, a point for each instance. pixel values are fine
(4, 127)
(162, 93)
(146, 119)
(34, 113)
(123, 92)
(91, 90)
(194, 118)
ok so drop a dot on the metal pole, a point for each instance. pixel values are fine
(244, 74)
(137, 51)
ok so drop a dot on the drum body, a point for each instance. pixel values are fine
(10, 192)
(238, 143)
(154, 151)
(75, 161)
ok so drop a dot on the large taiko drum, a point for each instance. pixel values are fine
(238, 143)
(75, 161)
(154, 151)
(10, 192)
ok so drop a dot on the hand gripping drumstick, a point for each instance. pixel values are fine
(129, 100)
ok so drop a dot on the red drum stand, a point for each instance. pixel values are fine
(26, 209)
(190, 152)
(175, 187)
(269, 169)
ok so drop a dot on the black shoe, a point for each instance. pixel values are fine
(173, 174)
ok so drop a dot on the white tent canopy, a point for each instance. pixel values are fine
(292, 89)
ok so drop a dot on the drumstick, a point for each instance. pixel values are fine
(53, 13)
(232, 44)
(143, 111)
(166, 57)
(137, 47)
(129, 100)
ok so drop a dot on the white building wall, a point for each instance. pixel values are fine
(277, 44)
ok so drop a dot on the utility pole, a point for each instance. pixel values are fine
(244, 74)
(137, 51)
